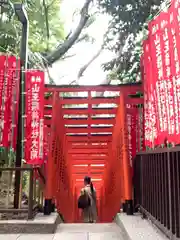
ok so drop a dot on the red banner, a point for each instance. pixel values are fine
(150, 106)
(7, 96)
(3, 60)
(174, 13)
(131, 129)
(46, 140)
(34, 118)
(16, 104)
(164, 55)
(168, 56)
(158, 82)
(144, 72)
(10, 105)
(7, 78)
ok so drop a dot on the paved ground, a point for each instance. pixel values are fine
(138, 228)
(75, 232)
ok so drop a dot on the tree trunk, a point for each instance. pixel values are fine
(63, 48)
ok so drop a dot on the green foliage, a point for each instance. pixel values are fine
(9, 26)
(129, 19)
(45, 26)
(7, 157)
(127, 67)
(25, 182)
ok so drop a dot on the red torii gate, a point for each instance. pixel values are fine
(83, 141)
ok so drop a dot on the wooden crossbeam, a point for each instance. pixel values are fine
(84, 121)
(89, 130)
(88, 168)
(47, 122)
(128, 100)
(71, 147)
(90, 146)
(76, 177)
(95, 101)
(79, 170)
(88, 151)
(97, 184)
(130, 88)
(93, 143)
(90, 157)
(134, 101)
(79, 121)
(82, 111)
(91, 172)
(86, 111)
(78, 101)
(94, 172)
(48, 111)
(87, 161)
(76, 138)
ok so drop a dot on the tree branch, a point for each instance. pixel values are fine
(63, 48)
(83, 69)
(51, 81)
(68, 56)
(85, 38)
(51, 3)
(47, 22)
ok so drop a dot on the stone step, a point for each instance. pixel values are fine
(39, 225)
(74, 232)
(85, 231)
(136, 228)
(87, 227)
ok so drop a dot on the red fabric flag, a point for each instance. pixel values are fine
(159, 83)
(35, 118)
(46, 138)
(6, 104)
(3, 63)
(7, 97)
(150, 106)
(174, 25)
(168, 68)
(16, 103)
(131, 128)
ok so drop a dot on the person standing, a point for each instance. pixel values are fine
(89, 213)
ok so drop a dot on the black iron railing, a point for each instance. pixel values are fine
(157, 188)
(31, 192)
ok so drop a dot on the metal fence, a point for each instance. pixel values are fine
(31, 193)
(157, 188)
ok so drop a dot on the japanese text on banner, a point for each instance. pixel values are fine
(161, 107)
(34, 122)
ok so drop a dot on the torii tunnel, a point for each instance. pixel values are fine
(86, 127)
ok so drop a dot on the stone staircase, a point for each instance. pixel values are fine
(39, 225)
(52, 228)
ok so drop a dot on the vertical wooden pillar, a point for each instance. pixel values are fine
(49, 191)
(126, 160)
